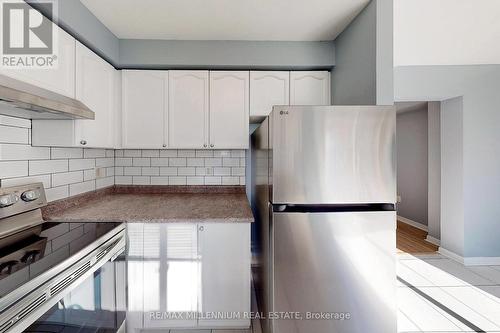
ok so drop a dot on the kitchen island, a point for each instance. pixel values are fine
(188, 252)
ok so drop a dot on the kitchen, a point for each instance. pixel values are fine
(135, 183)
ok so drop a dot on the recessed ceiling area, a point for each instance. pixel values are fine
(256, 20)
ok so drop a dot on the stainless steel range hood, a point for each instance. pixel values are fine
(24, 100)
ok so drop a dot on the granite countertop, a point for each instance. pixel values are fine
(144, 204)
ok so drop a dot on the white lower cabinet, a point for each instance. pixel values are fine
(182, 274)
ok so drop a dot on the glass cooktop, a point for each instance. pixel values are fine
(29, 253)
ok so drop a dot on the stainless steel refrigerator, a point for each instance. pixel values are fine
(324, 193)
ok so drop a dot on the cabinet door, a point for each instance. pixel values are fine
(229, 103)
(225, 272)
(188, 109)
(310, 88)
(268, 89)
(95, 80)
(144, 96)
(60, 79)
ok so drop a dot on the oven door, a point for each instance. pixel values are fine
(95, 305)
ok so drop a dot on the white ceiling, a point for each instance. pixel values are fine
(446, 32)
(258, 20)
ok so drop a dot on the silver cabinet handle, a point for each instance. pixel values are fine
(212, 145)
(83, 142)
(201, 228)
(164, 146)
(205, 145)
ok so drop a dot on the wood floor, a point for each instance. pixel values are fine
(412, 240)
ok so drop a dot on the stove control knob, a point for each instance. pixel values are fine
(30, 195)
(8, 200)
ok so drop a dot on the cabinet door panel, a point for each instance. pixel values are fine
(95, 80)
(225, 272)
(229, 103)
(310, 88)
(60, 79)
(188, 109)
(144, 115)
(268, 89)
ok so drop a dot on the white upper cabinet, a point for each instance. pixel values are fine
(268, 89)
(95, 80)
(188, 109)
(60, 79)
(229, 104)
(144, 109)
(310, 88)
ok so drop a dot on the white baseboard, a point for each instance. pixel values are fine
(433, 240)
(470, 261)
(417, 225)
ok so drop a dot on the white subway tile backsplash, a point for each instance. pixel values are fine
(13, 169)
(45, 179)
(151, 153)
(104, 182)
(222, 153)
(132, 153)
(176, 180)
(177, 161)
(213, 162)
(231, 162)
(16, 152)
(195, 162)
(47, 166)
(141, 161)
(94, 153)
(162, 161)
(132, 171)
(67, 178)
(210, 180)
(56, 193)
(185, 171)
(123, 161)
(14, 135)
(222, 171)
(60, 153)
(230, 180)
(81, 164)
(104, 162)
(195, 181)
(141, 180)
(159, 180)
(168, 153)
(151, 171)
(186, 153)
(79, 188)
(168, 171)
(70, 171)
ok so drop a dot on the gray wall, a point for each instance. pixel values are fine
(434, 169)
(412, 151)
(363, 74)
(226, 54)
(78, 21)
(470, 196)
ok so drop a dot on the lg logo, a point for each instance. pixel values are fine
(25, 30)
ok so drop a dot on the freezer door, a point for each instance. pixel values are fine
(335, 264)
(333, 154)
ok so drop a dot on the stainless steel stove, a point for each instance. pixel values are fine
(57, 277)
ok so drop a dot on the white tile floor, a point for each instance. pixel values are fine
(436, 294)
